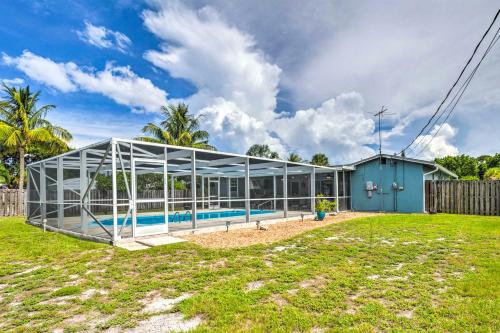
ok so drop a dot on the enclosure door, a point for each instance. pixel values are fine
(213, 193)
(149, 193)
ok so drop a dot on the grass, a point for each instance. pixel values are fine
(385, 273)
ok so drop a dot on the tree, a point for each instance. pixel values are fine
(23, 126)
(462, 165)
(319, 159)
(262, 151)
(179, 128)
(486, 162)
(293, 157)
(4, 175)
(492, 174)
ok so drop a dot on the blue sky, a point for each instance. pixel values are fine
(301, 77)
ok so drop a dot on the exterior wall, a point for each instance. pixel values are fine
(405, 174)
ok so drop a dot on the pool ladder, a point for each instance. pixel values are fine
(184, 218)
(176, 214)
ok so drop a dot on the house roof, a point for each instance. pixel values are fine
(407, 159)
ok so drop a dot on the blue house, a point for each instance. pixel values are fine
(392, 183)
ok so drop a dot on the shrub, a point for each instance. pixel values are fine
(492, 174)
(324, 205)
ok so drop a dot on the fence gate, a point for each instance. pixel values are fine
(463, 197)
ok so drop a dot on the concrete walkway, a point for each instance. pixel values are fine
(143, 243)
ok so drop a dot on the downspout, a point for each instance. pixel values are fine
(423, 185)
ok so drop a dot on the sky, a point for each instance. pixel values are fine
(302, 77)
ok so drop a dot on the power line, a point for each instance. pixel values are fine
(461, 91)
(451, 105)
(455, 83)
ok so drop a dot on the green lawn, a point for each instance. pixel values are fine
(387, 273)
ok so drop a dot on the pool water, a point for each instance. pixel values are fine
(186, 216)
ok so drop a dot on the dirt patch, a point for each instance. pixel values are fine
(268, 263)
(315, 283)
(283, 248)
(94, 271)
(62, 300)
(406, 314)
(156, 303)
(170, 322)
(91, 292)
(29, 270)
(397, 278)
(276, 232)
(278, 300)
(254, 285)
(437, 277)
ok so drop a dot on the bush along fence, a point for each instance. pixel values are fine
(11, 203)
(463, 197)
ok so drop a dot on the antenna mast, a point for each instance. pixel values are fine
(380, 114)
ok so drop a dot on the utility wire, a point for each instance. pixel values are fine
(461, 91)
(455, 83)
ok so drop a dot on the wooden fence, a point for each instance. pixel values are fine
(463, 197)
(10, 205)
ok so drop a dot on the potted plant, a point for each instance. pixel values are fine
(323, 206)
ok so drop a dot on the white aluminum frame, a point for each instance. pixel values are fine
(108, 157)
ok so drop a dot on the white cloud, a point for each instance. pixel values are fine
(42, 70)
(438, 146)
(238, 87)
(122, 85)
(235, 129)
(406, 59)
(13, 82)
(220, 60)
(338, 127)
(119, 83)
(104, 38)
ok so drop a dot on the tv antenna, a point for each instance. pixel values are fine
(380, 114)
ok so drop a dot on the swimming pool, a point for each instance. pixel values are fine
(186, 216)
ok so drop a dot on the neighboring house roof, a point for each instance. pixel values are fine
(407, 159)
(443, 169)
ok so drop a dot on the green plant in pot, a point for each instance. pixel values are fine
(324, 206)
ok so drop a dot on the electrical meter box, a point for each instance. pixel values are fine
(369, 186)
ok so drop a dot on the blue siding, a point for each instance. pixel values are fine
(406, 174)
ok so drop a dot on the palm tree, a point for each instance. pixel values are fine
(293, 157)
(319, 159)
(179, 128)
(23, 125)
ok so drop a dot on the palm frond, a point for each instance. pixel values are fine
(147, 139)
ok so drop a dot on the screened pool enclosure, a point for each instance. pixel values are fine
(121, 189)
